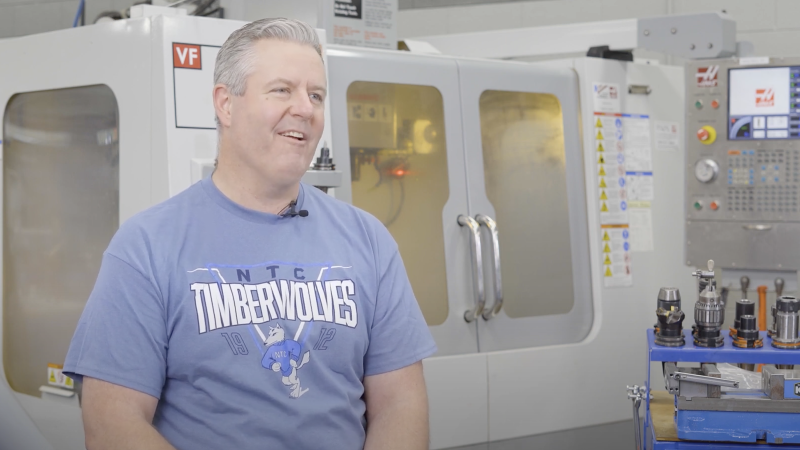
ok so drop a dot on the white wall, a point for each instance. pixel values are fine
(772, 25)
(22, 17)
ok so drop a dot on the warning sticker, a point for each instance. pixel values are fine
(610, 168)
(347, 8)
(667, 136)
(606, 97)
(55, 377)
(610, 144)
(616, 247)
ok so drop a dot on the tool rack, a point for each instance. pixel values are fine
(725, 354)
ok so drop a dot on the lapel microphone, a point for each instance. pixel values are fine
(292, 212)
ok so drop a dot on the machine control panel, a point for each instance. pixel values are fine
(743, 163)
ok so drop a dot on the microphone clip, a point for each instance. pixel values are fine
(292, 212)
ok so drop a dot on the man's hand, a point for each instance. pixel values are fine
(397, 410)
(116, 417)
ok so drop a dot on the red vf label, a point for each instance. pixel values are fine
(186, 56)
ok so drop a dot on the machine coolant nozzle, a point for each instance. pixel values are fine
(669, 329)
(709, 312)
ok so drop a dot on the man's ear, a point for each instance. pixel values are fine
(222, 104)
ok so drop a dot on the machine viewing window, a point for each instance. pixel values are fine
(524, 162)
(60, 210)
(764, 103)
(398, 169)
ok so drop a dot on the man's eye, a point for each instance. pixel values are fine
(316, 98)
(281, 90)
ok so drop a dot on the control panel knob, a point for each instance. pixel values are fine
(707, 135)
(706, 170)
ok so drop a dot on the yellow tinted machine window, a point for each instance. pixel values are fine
(522, 135)
(60, 210)
(398, 162)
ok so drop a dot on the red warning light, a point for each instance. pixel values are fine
(399, 172)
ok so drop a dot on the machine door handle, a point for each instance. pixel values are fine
(491, 225)
(757, 227)
(477, 266)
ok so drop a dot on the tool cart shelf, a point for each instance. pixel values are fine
(659, 425)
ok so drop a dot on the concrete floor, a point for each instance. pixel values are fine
(611, 436)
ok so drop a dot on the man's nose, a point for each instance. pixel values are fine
(302, 106)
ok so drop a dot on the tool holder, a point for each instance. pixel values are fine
(728, 353)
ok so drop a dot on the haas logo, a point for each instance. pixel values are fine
(797, 389)
(707, 76)
(765, 97)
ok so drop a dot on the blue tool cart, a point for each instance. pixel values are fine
(660, 432)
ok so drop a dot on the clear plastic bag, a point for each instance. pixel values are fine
(747, 380)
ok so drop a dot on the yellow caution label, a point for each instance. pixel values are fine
(599, 123)
(602, 172)
(603, 182)
(604, 208)
(603, 196)
(606, 249)
(608, 260)
(56, 377)
(600, 147)
(601, 160)
(605, 236)
(608, 272)
(599, 135)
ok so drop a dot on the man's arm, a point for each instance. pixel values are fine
(397, 410)
(116, 417)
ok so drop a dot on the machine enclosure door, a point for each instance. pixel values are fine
(524, 171)
(363, 80)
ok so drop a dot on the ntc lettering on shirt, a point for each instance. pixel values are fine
(221, 305)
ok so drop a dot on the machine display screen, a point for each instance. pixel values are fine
(764, 103)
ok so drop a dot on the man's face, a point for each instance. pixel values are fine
(276, 125)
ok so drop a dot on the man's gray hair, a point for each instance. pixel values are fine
(235, 58)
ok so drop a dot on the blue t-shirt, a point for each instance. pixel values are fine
(253, 330)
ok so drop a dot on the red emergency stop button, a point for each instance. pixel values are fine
(707, 135)
(714, 104)
(714, 206)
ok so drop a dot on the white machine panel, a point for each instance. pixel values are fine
(578, 381)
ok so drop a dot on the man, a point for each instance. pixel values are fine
(251, 311)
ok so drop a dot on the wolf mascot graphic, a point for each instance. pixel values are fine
(284, 356)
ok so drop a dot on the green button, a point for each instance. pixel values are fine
(698, 104)
(698, 206)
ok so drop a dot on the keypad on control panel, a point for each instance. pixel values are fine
(763, 181)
